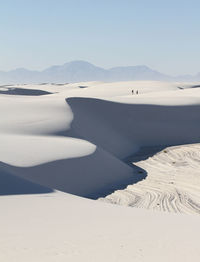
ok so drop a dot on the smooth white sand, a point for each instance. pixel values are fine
(60, 227)
(75, 140)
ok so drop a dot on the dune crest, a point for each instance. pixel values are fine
(80, 144)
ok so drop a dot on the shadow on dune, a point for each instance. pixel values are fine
(13, 185)
(91, 176)
(118, 130)
(122, 128)
(24, 92)
(144, 153)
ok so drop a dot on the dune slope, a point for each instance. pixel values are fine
(83, 141)
(77, 144)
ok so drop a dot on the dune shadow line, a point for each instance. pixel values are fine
(14, 185)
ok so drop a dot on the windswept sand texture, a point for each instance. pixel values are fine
(172, 183)
(97, 140)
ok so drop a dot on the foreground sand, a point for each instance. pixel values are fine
(59, 227)
(77, 140)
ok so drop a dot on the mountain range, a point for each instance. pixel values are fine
(77, 71)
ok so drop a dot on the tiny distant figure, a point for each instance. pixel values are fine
(132, 92)
(137, 92)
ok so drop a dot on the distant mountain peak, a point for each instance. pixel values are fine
(78, 62)
(79, 70)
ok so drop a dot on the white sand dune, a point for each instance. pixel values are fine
(79, 140)
(121, 128)
(59, 163)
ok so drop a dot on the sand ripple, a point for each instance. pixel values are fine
(172, 183)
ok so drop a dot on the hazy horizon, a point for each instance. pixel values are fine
(78, 60)
(161, 35)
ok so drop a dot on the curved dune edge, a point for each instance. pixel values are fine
(122, 128)
(83, 176)
(31, 150)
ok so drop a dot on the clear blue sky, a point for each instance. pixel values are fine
(162, 34)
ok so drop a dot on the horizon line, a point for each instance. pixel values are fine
(118, 66)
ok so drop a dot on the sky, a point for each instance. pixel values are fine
(161, 34)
